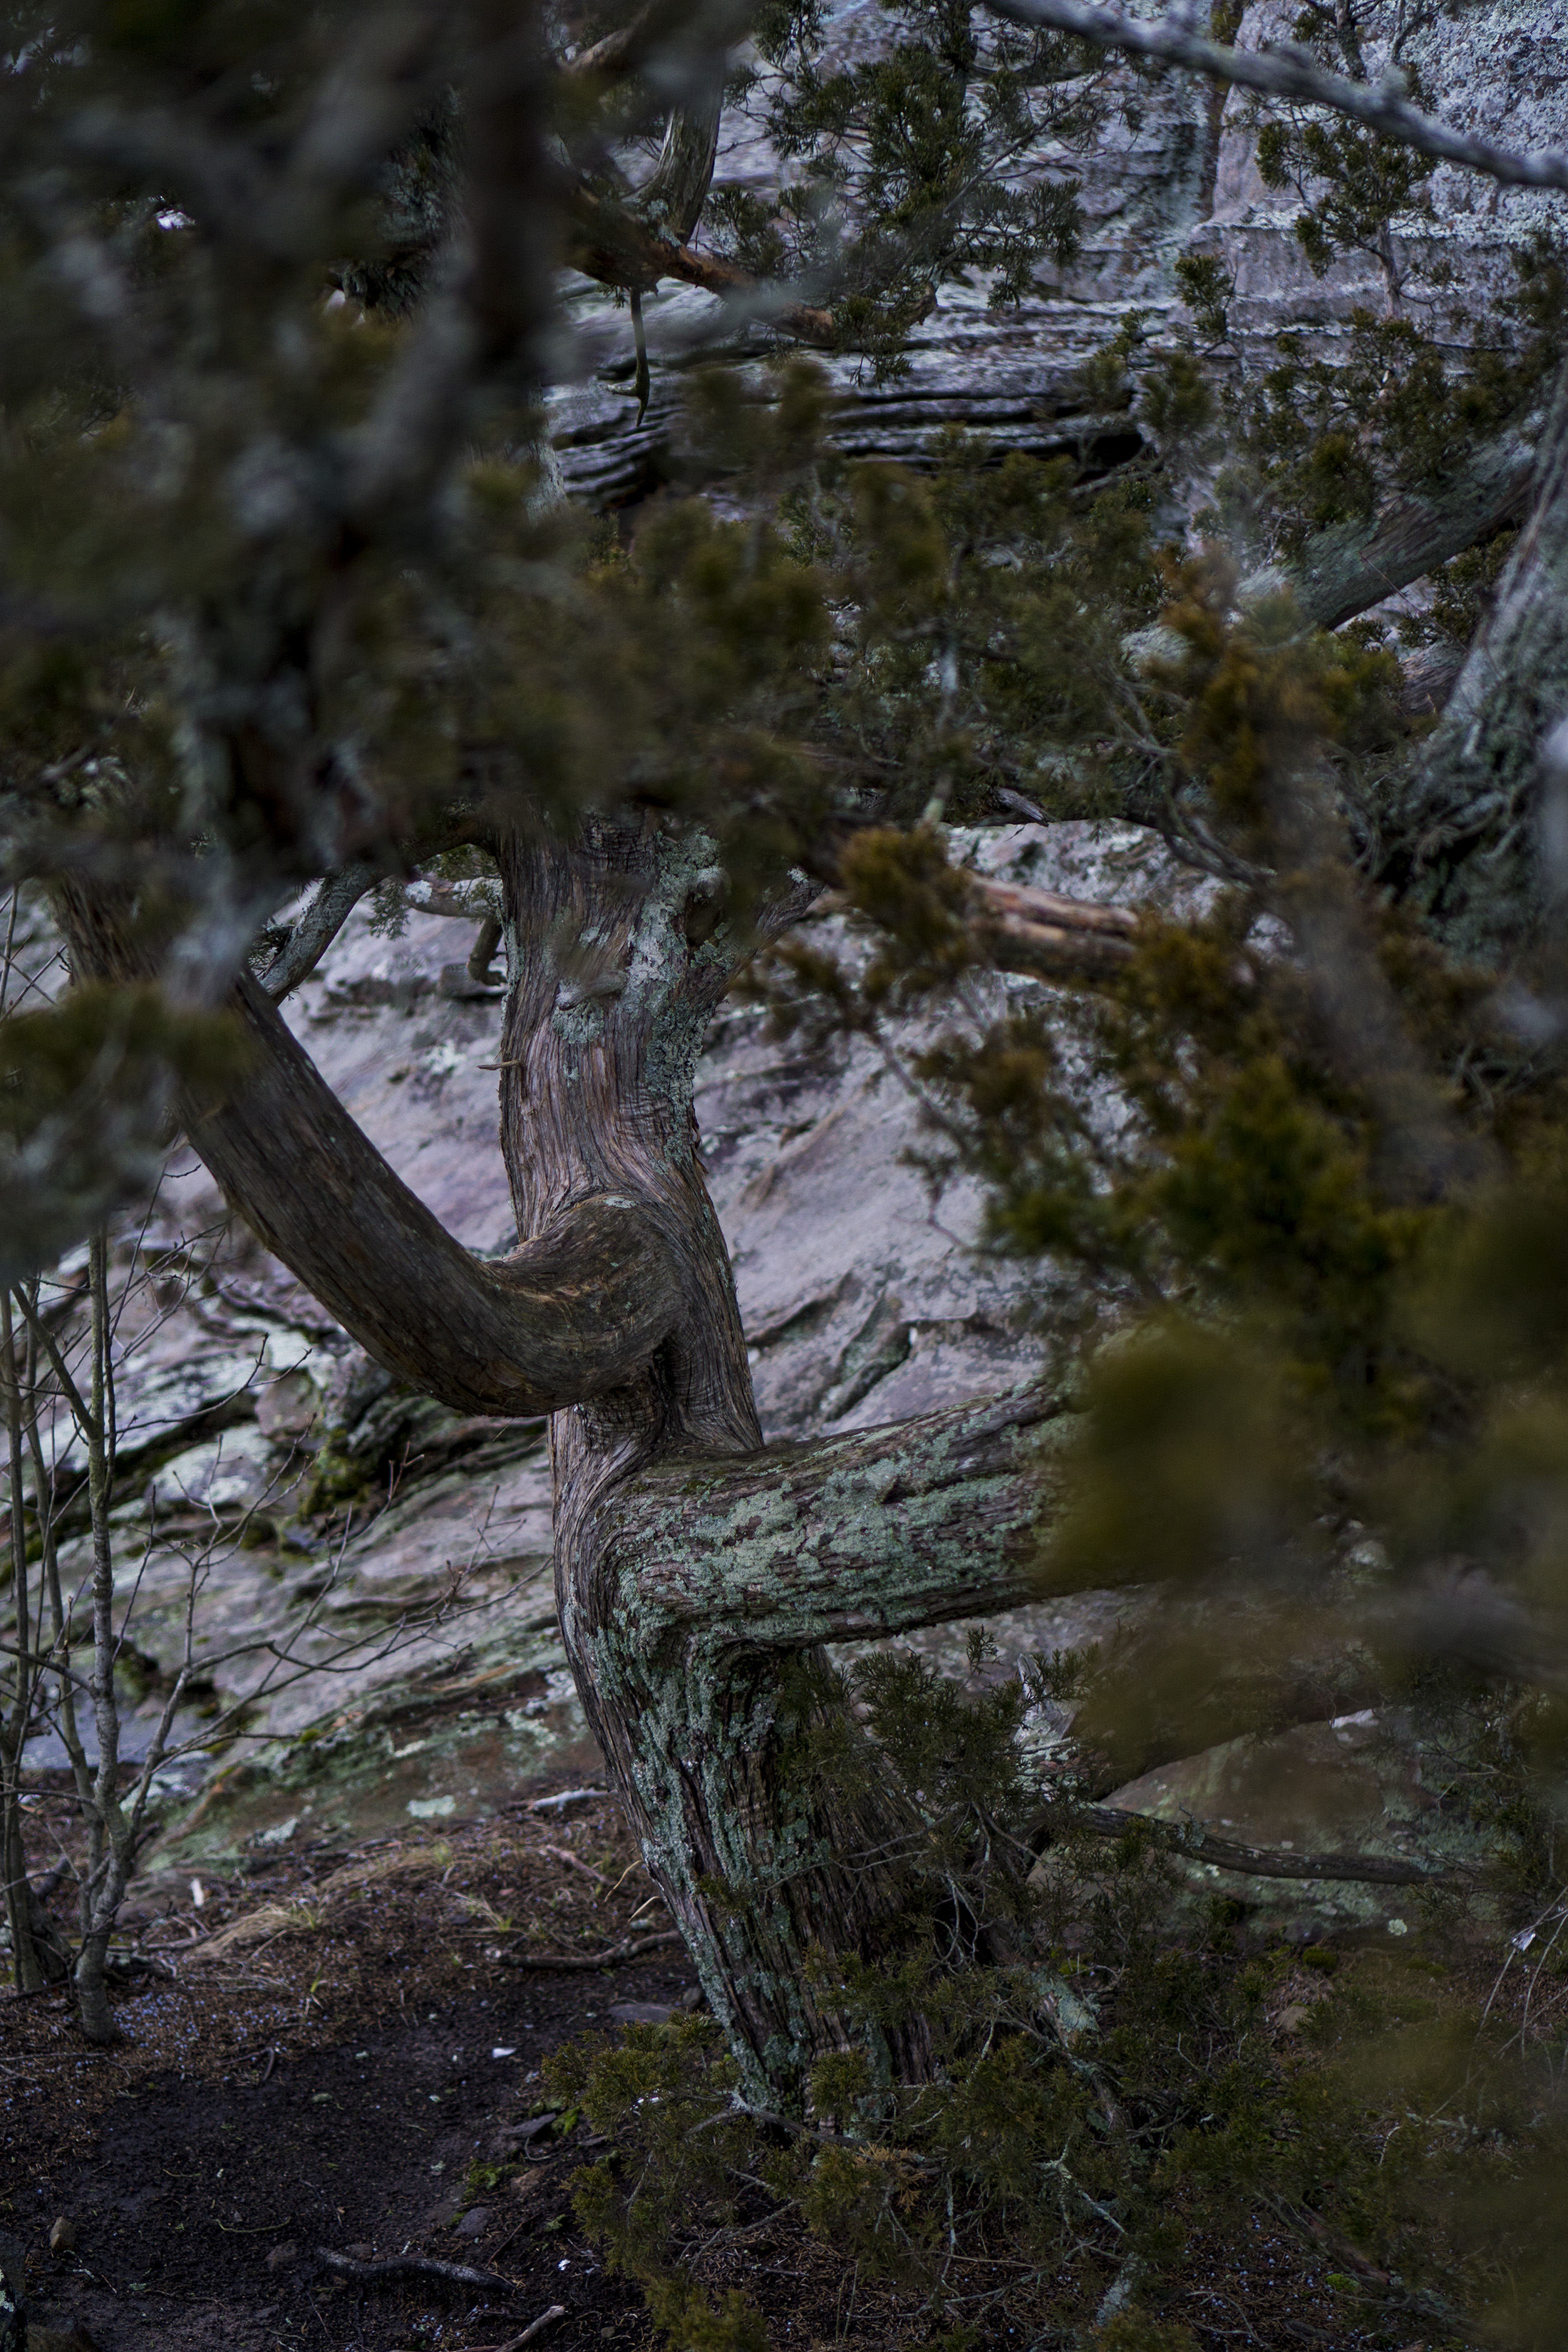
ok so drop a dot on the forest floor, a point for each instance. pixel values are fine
(335, 2055)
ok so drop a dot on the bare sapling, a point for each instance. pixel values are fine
(65, 1640)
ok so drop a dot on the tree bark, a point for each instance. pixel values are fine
(1346, 570)
(1465, 831)
(25, 1963)
(696, 1572)
(692, 1600)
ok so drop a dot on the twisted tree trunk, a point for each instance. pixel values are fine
(696, 1572)
(693, 1569)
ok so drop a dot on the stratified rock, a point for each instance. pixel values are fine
(1181, 178)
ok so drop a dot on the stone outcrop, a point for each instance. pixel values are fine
(1185, 179)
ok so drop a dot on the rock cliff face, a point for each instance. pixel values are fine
(1184, 180)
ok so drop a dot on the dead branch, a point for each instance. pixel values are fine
(616, 1954)
(535, 2328)
(1255, 1862)
(413, 2266)
(1058, 937)
(606, 242)
(562, 1798)
(574, 1862)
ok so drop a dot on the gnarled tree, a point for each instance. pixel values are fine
(342, 600)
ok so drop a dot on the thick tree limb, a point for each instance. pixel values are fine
(1233, 1659)
(1346, 570)
(622, 51)
(567, 1316)
(606, 242)
(1290, 73)
(877, 1532)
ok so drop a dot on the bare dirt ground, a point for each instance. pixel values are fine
(332, 2063)
(327, 2053)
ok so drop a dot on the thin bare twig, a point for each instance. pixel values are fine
(612, 1958)
(413, 2266)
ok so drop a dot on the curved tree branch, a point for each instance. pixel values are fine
(335, 900)
(575, 1313)
(570, 1315)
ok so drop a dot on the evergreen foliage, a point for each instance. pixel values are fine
(908, 164)
(1111, 2095)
